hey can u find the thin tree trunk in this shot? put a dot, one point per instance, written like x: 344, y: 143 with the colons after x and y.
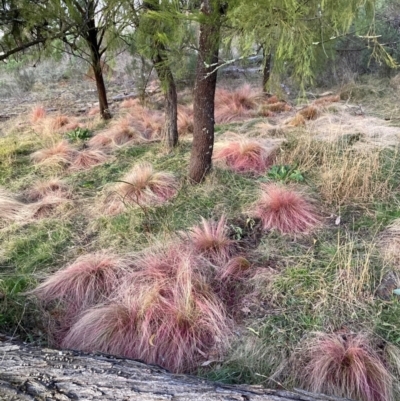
x: 40, y: 374
x: 204, y: 93
x: 171, y: 99
x: 92, y: 40
x: 101, y: 89
x: 266, y: 70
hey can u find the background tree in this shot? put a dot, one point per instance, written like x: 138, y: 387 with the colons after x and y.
x: 211, y: 15
x: 157, y: 28
x: 97, y: 23
x: 88, y: 27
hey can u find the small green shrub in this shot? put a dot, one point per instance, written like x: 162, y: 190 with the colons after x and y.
x: 78, y: 134
x: 285, y: 173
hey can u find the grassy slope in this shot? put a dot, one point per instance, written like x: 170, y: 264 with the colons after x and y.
x: 324, y: 282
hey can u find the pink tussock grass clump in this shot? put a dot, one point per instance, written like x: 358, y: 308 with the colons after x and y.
x: 345, y: 365
x: 142, y: 186
x: 235, y: 269
x: 87, y: 158
x: 101, y: 141
x: 43, y: 188
x: 147, y: 123
x: 235, y: 105
x: 150, y: 124
x: 277, y: 107
x: 59, y: 121
x: 38, y: 113
x: 245, y: 155
x: 93, y: 111
x: 285, y: 210
x: 123, y: 132
x: 61, y: 153
x: 130, y: 104
x: 211, y: 239
x: 89, y: 280
x: 165, y: 315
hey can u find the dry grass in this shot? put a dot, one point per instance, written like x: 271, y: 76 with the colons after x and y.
x: 344, y: 365
x: 296, y: 121
x: 10, y: 208
x: 47, y: 205
x: 323, y: 101
x: 389, y: 243
x: 342, y: 176
x: 61, y: 154
x: 272, y: 99
x: 42, y: 188
x: 277, y: 107
x: 245, y: 155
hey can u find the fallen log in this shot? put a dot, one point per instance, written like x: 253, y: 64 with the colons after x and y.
x: 42, y: 374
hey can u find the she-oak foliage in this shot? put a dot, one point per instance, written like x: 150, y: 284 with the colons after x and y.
x: 296, y: 31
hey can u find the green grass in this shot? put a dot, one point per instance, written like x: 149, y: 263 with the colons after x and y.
x: 36, y: 246
x: 27, y: 254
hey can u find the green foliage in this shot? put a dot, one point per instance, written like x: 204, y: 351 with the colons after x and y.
x: 78, y: 134
x: 296, y: 33
x: 285, y: 173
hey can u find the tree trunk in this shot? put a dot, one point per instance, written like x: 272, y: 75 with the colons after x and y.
x: 266, y: 70
x: 33, y: 374
x: 171, y: 99
x: 91, y: 37
x: 101, y: 89
x: 204, y: 92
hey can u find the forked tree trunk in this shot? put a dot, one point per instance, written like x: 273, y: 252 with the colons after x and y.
x: 266, y: 69
x: 91, y: 37
x: 171, y: 99
x: 41, y: 374
x: 204, y: 93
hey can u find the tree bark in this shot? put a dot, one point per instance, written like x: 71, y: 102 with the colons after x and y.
x: 204, y: 92
x: 91, y: 37
x: 171, y: 99
x: 266, y: 70
x: 34, y: 374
